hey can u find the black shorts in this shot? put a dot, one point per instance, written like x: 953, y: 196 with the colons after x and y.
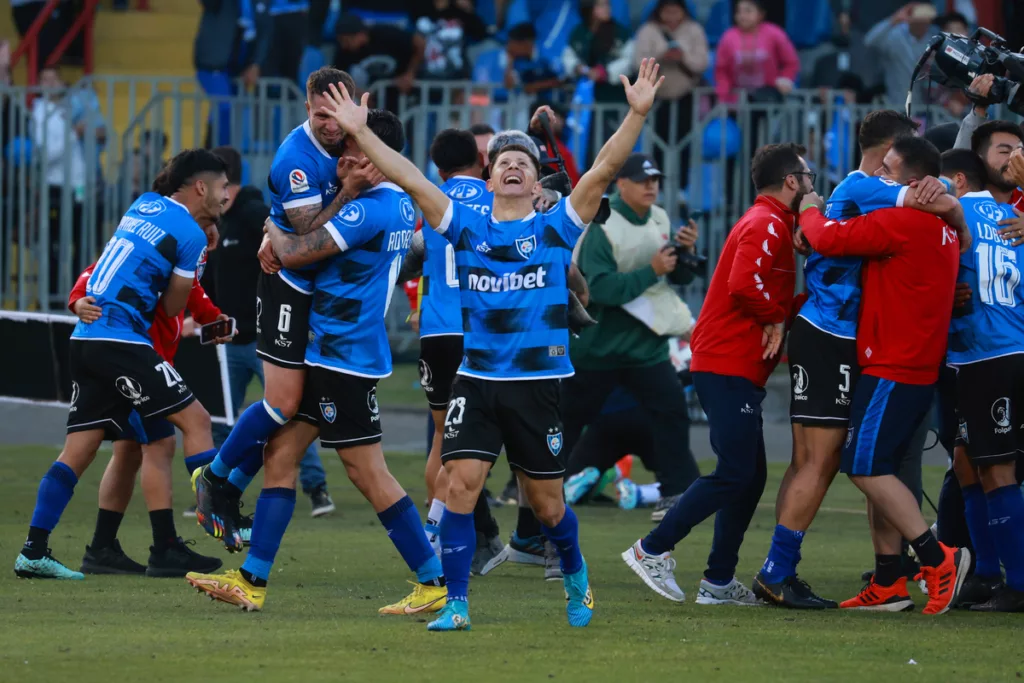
x: 823, y: 374
x: 343, y: 406
x: 522, y: 415
x: 282, y: 322
x: 440, y: 358
x: 990, y: 398
x: 112, y: 380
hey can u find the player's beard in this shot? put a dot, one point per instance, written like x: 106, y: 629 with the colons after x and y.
x: 997, y: 178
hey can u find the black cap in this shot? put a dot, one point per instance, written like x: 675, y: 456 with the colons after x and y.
x: 639, y: 167
x: 349, y: 25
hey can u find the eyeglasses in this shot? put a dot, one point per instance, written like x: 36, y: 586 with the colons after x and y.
x: 811, y: 175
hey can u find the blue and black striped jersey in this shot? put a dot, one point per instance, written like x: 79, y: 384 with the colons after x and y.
x: 512, y: 279
x: 353, y: 289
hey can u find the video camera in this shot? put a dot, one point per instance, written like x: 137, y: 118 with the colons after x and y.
x: 958, y: 60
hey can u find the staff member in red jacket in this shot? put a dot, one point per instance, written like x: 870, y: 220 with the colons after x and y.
x: 908, y: 280
x: 735, y: 348
x: 169, y: 555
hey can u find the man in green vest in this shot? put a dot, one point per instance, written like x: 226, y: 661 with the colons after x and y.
x: 630, y: 263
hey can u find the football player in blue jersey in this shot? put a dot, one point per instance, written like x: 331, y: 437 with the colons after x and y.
x: 304, y: 186
x: 117, y: 377
x: 460, y: 165
x: 986, y: 347
x: 360, y: 251
x: 513, y: 267
x: 823, y: 358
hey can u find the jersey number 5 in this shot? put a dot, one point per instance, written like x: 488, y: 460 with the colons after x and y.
x: 998, y: 275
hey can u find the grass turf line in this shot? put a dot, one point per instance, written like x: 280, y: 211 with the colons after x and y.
x: 332, y: 574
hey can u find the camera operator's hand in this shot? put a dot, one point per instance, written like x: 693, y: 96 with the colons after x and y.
x: 1014, y: 229
x: 545, y: 199
x: 1016, y: 169
x: 928, y: 189
x: 535, y: 126
x: 980, y: 87
x: 664, y: 261
x: 687, y: 236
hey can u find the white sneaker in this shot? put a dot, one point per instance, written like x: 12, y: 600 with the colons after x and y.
x: 656, y: 572
x: 735, y: 593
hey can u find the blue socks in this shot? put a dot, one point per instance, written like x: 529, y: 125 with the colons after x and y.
x: 243, y: 475
x: 1006, y: 525
x: 55, y: 491
x: 986, y: 556
x: 783, y: 555
x: 194, y: 462
x: 566, y: 537
x: 255, y: 425
x: 274, y: 509
x: 406, y: 531
x: 458, y: 543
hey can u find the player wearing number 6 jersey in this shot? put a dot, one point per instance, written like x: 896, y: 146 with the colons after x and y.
x: 986, y: 347
x: 360, y: 252
x: 513, y: 267
x: 150, y: 261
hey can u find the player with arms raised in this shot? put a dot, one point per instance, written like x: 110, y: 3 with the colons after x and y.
x: 512, y: 268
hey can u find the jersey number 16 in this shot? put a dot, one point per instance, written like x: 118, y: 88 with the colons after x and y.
x: 998, y: 275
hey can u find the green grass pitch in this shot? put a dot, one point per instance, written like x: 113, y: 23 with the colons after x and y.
x: 321, y: 622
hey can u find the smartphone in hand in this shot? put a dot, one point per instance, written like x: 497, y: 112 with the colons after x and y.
x: 210, y: 333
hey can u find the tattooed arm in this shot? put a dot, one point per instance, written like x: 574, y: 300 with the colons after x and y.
x: 355, y: 176
x: 295, y: 250
x: 412, y: 266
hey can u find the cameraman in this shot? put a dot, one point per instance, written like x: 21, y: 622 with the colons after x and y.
x: 628, y: 264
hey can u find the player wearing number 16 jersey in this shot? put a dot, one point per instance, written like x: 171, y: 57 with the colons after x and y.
x: 986, y: 347
x: 150, y: 261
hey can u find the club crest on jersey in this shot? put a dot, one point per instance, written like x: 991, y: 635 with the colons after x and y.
x: 298, y: 182
x: 990, y: 210
x: 526, y: 246
x: 463, y: 192
x: 352, y: 214
x: 151, y: 208
x: 329, y: 411
x: 405, y: 207
x: 554, y: 441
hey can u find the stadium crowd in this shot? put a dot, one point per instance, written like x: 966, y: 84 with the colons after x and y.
x: 545, y: 304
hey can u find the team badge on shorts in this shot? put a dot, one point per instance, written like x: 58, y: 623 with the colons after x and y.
x: 129, y: 388
x: 371, y: 401
x: 800, y: 382
x: 425, y: 375
x: 554, y: 442
x: 963, y: 432
x: 1001, y: 415
x: 329, y: 412
x: 526, y: 246
x: 74, y: 393
x: 849, y: 436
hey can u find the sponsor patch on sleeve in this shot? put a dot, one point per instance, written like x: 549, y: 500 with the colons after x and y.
x: 297, y: 180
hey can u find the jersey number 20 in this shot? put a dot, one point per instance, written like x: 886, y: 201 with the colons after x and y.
x: 998, y: 275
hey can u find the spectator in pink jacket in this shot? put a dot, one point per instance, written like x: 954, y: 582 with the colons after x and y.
x: 754, y: 55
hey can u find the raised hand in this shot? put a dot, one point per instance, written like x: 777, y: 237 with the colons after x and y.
x: 349, y: 115
x: 640, y: 94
